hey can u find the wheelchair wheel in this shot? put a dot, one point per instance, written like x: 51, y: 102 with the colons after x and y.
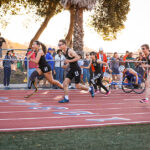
x: 126, y: 87
x: 106, y: 84
x: 140, y: 88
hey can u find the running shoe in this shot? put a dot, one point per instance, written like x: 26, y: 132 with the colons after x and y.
x: 107, y: 93
x: 144, y: 100
x: 92, y: 91
x: 64, y: 101
x: 97, y: 92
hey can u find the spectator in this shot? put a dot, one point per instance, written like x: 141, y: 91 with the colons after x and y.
x: 50, y: 59
x: 86, y: 72
x: 2, y: 41
x: 7, y: 68
x: 126, y: 55
x: 32, y: 66
x: 80, y: 63
x: 102, y: 57
x: 114, y: 65
x: 130, y: 64
x: 14, y: 59
x: 59, y: 63
x: 19, y: 65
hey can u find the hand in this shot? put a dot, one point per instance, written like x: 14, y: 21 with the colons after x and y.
x: 66, y: 61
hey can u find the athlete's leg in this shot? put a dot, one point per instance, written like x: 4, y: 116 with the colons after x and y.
x: 147, y: 92
x: 65, y: 85
x: 50, y: 79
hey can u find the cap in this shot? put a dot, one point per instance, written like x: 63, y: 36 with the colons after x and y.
x: 100, y: 49
x: 50, y: 49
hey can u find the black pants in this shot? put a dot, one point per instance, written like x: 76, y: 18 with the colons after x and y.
x: 7, y: 73
x: 96, y: 80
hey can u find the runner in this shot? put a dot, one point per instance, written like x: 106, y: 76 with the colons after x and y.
x: 74, y: 71
x: 96, y: 78
x: 44, y: 68
x: 145, y: 50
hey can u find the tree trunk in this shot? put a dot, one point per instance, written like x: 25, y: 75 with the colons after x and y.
x: 78, y: 30
x: 70, y: 31
x: 42, y: 27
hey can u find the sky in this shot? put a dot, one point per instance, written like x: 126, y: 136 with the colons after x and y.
x: 136, y: 32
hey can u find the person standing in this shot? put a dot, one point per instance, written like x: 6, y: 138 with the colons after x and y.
x: 7, y: 68
x: 2, y: 42
x: 59, y: 63
x: 86, y: 72
x: 74, y: 71
x: 114, y: 66
x: 145, y: 50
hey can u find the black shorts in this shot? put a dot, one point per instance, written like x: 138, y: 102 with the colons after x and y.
x: 74, y: 73
x: 45, y: 69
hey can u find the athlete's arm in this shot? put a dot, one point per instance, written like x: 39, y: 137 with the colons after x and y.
x: 72, y: 53
x: 134, y: 73
x: 37, y: 59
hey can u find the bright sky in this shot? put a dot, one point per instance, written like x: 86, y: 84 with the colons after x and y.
x: 131, y: 38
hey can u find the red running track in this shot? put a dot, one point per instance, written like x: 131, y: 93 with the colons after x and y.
x: 42, y: 110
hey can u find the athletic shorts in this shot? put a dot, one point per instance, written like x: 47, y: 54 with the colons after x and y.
x: 45, y: 69
x: 74, y: 73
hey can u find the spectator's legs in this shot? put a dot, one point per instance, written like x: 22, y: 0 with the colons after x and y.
x: 5, y: 75
x: 61, y: 75
x: 88, y: 75
x: 84, y: 75
x: 8, y: 76
x: 57, y: 69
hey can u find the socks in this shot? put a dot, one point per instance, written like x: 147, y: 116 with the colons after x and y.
x: 146, y: 98
x: 66, y: 97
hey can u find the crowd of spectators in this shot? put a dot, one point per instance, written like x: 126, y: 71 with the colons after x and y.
x: 56, y: 61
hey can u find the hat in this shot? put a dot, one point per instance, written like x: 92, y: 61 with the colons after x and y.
x: 9, y: 50
x: 100, y: 49
x: 50, y: 49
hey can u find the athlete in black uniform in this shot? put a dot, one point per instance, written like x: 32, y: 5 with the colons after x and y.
x: 44, y: 68
x: 74, y: 71
x: 145, y: 50
x: 96, y: 78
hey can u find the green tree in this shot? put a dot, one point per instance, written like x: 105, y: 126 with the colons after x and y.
x: 44, y: 8
x: 109, y: 17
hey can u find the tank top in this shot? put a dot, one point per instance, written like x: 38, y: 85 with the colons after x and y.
x: 97, y: 67
x: 73, y: 65
x: 148, y: 59
x: 42, y: 62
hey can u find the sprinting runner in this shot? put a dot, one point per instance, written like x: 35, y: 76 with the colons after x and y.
x: 145, y: 50
x: 44, y: 68
x: 97, y: 77
x: 74, y: 71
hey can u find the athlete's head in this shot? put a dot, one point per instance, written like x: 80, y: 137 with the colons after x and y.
x: 36, y: 45
x: 145, y: 48
x: 62, y: 44
x: 93, y: 55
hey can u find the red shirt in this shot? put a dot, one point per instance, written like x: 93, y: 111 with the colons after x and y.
x: 32, y: 64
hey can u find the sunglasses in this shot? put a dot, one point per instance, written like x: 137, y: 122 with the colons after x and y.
x: 60, y: 44
x: 143, y: 48
x: 87, y: 55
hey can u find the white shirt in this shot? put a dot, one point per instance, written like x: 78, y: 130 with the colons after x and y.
x: 59, y: 60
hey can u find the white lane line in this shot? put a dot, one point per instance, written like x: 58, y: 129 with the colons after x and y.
x: 35, y: 111
x: 83, y: 116
x: 73, y: 126
x: 42, y: 105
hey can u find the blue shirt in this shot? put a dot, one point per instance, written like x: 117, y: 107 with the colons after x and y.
x: 50, y: 60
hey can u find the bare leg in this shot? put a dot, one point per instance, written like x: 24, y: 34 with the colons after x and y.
x: 50, y: 79
x: 147, y: 87
x: 82, y: 87
x: 66, y: 84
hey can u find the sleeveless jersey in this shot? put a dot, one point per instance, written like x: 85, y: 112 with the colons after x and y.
x: 97, y: 67
x: 73, y: 65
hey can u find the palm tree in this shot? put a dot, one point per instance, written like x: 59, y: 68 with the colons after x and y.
x: 79, y: 6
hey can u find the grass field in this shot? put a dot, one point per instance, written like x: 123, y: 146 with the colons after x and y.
x: 131, y: 137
